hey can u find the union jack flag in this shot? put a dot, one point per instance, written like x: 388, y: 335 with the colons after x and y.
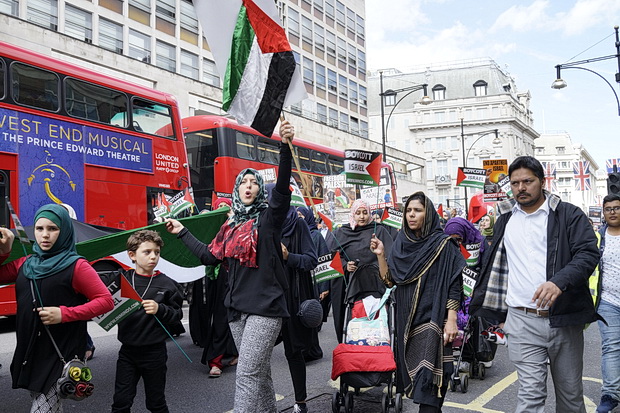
x: 581, y: 171
x: 610, y: 163
x: 550, y: 175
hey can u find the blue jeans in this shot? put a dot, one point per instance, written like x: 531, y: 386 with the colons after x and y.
x: 610, y: 337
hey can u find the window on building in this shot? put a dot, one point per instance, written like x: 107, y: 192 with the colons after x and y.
x: 480, y: 88
x: 78, y: 23
x: 442, y: 195
x: 360, y: 26
x: 350, y: 20
x: 319, y: 37
x: 439, y: 92
x: 189, y: 20
x: 166, y: 9
x: 333, y: 118
x: 344, y: 121
x: 430, y: 173
x: 343, y: 86
x: 442, y: 167
x: 352, y: 56
x: 441, y: 143
x: 330, y: 41
x: 332, y: 81
x: 361, y: 61
x: 340, y: 14
x: 329, y: 9
x: 139, y: 46
x: 320, y: 76
x: 364, y: 129
x: 293, y: 21
x: 110, y: 35
x: 440, y: 116
x: 353, y: 91
x: 10, y: 7
x: 166, y: 56
x: 342, y: 51
x: 189, y: 64
x: 209, y: 73
x: 540, y: 150
x: 306, y: 29
x: 355, y: 125
x: 318, y: 5
x: 321, y: 113
x: 144, y: 5
x: 308, y: 71
x: 43, y: 13
x: 363, y: 98
x: 560, y: 150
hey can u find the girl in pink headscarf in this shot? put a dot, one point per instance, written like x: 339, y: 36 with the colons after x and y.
x: 352, y: 240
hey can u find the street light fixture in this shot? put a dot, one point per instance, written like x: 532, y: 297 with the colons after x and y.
x: 426, y: 100
x: 496, y: 141
x: 559, y: 83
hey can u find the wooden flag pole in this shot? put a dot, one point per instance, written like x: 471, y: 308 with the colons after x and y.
x: 296, y: 159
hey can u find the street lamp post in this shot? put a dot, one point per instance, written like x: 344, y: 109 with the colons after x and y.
x: 559, y: 83
x: 465, y: 156
x: 426, y: 100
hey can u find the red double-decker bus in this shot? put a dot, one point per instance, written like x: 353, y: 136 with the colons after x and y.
x: 76, y: 137
x: 218, y: 149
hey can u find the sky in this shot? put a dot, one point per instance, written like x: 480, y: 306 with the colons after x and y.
x: 525, y: 38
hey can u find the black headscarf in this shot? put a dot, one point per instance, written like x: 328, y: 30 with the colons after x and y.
x: 411, y: 255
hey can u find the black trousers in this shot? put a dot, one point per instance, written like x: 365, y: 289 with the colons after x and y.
x: 148, y: 363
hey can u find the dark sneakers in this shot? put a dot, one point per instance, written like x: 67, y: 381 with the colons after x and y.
x: 607, y: 404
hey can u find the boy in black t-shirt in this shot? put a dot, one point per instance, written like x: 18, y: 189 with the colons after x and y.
x: 143, y: 352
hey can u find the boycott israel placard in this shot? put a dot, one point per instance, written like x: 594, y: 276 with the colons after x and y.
x: 126, y: 301
x: 392, y: 217
x: 362, y: 167
x: 471, y: 177
x: 469, y: 281
x: 330, y: 267
x: 504, y: 185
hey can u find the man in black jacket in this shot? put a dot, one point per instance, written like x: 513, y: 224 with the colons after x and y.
x: 535, y: 277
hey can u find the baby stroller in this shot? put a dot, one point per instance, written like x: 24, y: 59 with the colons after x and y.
x: 471, y: 350
x: 366, y: 356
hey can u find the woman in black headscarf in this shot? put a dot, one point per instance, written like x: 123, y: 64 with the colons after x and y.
x: 352, y: 241
x: 58, y: 290
x: 426, y: 265
x: 300, y: 258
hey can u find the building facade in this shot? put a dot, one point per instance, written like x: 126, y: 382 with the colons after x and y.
x: 470, y: 99
x: 558, y: 148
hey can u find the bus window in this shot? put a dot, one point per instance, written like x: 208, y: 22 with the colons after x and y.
x: 4, y: 191
x: 2, y: 82
x: 336, y: 166
x: 88, y: 101
x: 202, y: 149
x: 268, y: 151
x: 149, y: 117
x: 245, y: 146
x: 304, y: 159
x: 319, y: 162
x: 35, y: 87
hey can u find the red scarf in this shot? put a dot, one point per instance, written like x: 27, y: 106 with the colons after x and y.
x: 237, y: 242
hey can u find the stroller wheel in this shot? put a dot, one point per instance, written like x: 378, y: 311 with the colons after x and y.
x: 452, y: 384
x: 336, y: 402
x: 398, y: 403
x: 464, y: 382
x: 348, y: 402
x: 481, y: 371
x: 385, y: 404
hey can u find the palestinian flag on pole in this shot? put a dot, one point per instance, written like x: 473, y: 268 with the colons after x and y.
x: 392, y: 217
x: 471, y: 177
x: 362, y: 167
x: 254, y: 59
x: 440, y: 210
x: 182, y: 203
x: 330, y: 267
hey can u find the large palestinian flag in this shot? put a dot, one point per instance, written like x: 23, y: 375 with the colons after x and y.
x: 254, y: 59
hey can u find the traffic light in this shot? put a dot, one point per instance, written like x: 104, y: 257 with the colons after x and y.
x: 613, y: 182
